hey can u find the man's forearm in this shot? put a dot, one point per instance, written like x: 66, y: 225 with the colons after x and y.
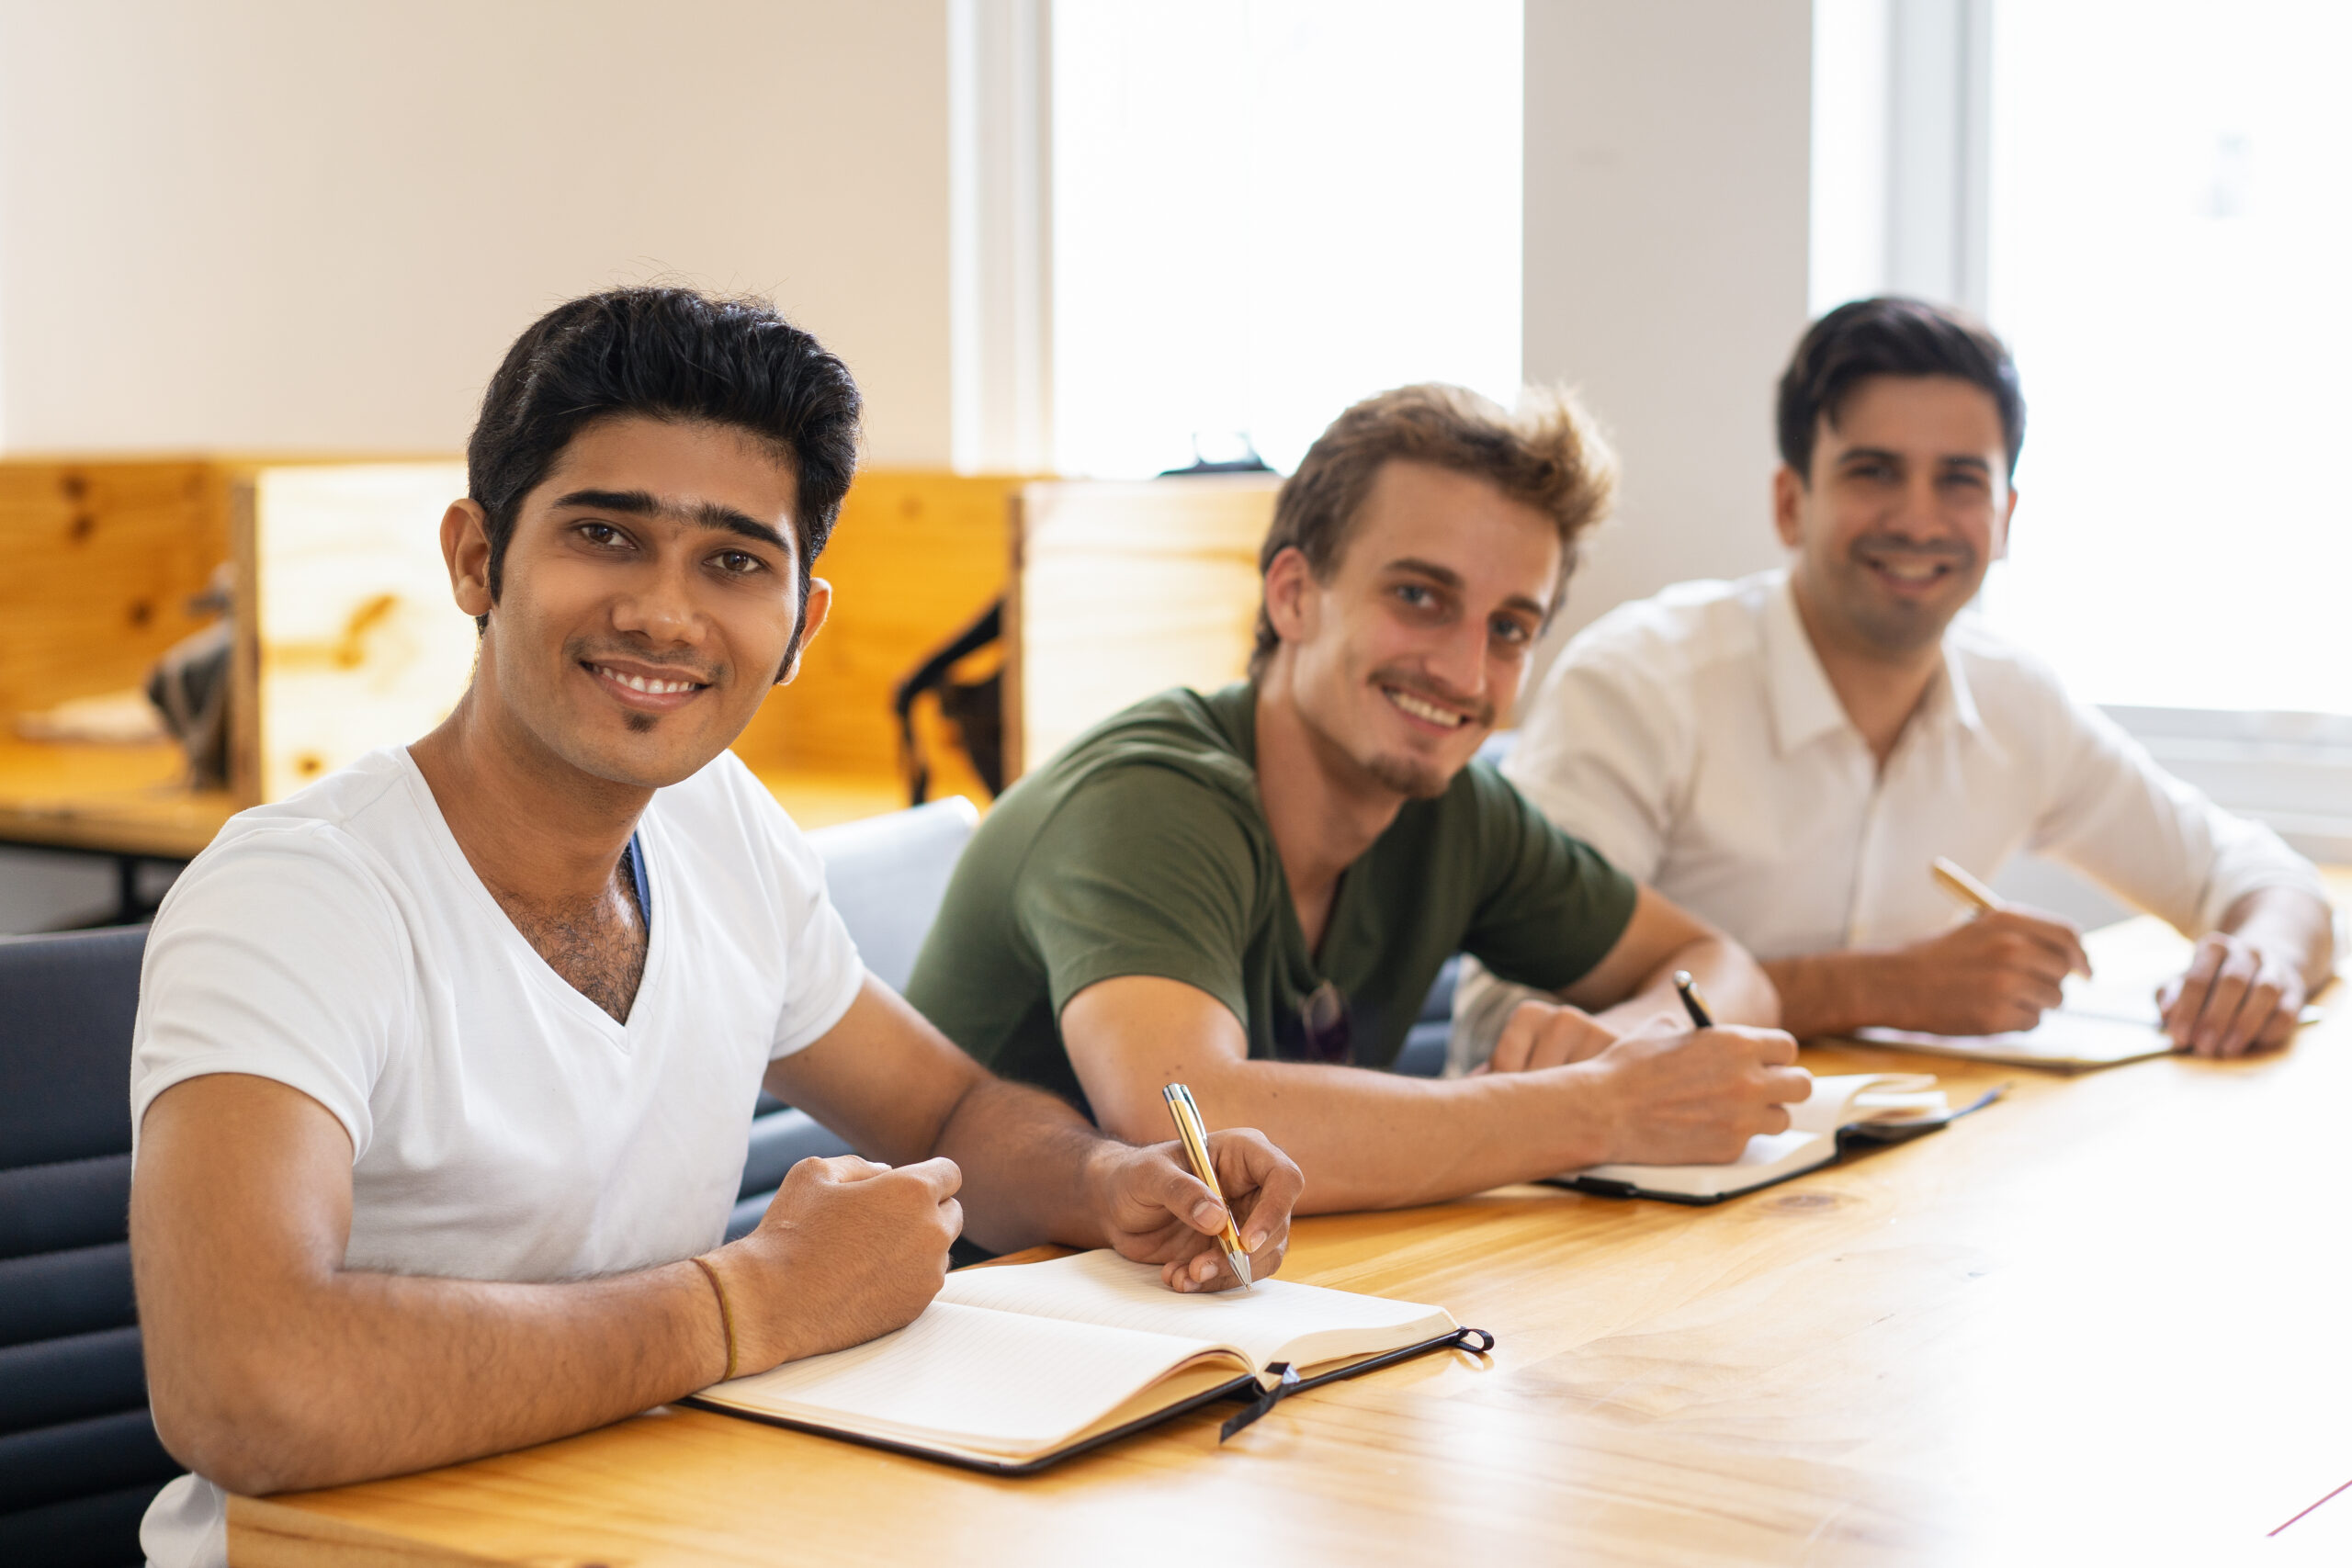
x: 1824, y: 993
x: 1027, y: 1160
x: 361, y: 1374
x: 1371, y: 1140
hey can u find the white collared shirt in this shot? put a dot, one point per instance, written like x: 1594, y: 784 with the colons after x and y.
x: 1694, y: 739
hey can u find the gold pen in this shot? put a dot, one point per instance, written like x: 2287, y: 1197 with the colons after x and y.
x: 1962, y: 884
x: 1192, y: 1132
x: 1954, y: 879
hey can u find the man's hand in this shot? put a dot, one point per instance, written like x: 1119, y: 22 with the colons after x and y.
x: 1695, y: 1098
x: 1548, y: 1034
x: 848, y: 1250
x: 2234, y: 997
x: 1998, y: 972
x: 1156, y: 1210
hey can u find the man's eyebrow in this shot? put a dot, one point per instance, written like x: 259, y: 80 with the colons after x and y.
x: 1888, y: 454
x: 708, y: 514
x: 1445, y: 576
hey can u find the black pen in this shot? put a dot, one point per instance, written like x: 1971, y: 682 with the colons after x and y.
x: 1693, y: 1002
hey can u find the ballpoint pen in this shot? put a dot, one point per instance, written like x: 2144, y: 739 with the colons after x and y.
x: 1192, y: 1132
x: 1693, y: 1002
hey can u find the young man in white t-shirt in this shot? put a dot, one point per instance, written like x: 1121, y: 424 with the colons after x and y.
x: 443, y: 1067
x: 1786, y: 755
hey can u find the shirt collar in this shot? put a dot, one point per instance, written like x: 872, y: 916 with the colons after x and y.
x: 1804, y: 705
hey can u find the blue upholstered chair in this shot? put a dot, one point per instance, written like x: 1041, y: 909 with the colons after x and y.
x: 886, y: 875
x: 79, y: 1460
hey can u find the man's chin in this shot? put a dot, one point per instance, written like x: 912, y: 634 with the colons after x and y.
x: 1413, y: 777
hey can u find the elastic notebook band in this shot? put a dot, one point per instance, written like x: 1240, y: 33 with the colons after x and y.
x: 1477, y: 1342
x: 725, y: 1317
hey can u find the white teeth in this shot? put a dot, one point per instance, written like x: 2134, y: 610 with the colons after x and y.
x: 1912, y: 571
x: 652, y: 688
x: 1420, y: 709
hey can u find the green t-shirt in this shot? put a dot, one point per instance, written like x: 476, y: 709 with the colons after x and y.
x: 1141, y: 849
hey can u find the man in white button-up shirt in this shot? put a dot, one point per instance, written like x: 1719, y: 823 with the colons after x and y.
x: 1786, y: 754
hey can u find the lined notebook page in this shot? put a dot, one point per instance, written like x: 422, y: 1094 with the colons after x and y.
x: 1274, y: 1321
x: 958, y: 1376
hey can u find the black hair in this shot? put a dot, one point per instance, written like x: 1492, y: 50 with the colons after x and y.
x: 671, y: 354
x: 1890, y: 335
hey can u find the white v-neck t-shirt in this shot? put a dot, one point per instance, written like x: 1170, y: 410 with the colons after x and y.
x: 503, y: 1125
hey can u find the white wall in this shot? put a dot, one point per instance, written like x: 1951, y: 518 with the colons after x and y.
x: 1668, y: 150
x: 283, y: 225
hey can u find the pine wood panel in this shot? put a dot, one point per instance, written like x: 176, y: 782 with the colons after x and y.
x: 2100, y: 1322
x: 354, y: 640
x: 1124, y: 590
x: 103, y: 557
x: 914, y: 559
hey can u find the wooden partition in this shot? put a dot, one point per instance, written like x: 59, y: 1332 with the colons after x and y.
x: 104, y: 557
x: 348, y: 640
x: 1121, y: 590
x: 916, y: 557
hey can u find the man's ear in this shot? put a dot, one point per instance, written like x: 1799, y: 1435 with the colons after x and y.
x: 812, y: 621
x: 2001, y: 528
x: 464, y: 549
x: 1788, y: 505
x: 1291, y: 606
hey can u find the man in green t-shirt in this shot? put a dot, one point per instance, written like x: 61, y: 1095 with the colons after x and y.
x: 1249, y: 891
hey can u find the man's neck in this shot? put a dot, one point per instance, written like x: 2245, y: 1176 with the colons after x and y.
x: 1880, y: 691
x: 536, y: 829
x: 1322, y: 809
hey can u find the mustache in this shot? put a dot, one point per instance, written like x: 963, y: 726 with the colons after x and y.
x: 1898, y: 548
x: 1481, y: 711
x: 670, y: 669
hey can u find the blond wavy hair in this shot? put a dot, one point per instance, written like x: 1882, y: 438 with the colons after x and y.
x: 1550, y: 454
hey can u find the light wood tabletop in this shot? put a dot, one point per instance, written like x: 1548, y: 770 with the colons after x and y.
x: 131, y: 800
x: 2103, y: 1320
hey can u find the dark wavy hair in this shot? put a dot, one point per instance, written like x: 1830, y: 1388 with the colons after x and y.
x: 669, y: 354
x: 1890, y: 335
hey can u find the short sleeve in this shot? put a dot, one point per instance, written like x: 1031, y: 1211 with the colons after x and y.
x: 1552, y: 906
x: 1143, y: 869
x: 277, y: 955
x: 822, y: 972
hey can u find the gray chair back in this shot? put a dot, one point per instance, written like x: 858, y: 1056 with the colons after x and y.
x: 886, y: 875
x: 79, y: 1460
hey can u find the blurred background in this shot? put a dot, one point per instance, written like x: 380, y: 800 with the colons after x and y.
x: 257, y: 258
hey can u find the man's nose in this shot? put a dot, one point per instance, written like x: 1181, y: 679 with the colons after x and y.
x: 1458, y: 662
x: 660, y: 606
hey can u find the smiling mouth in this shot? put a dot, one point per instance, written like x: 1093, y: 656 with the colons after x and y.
x: 1426, y: 711
x: 1910, y: 571
x: 644, y: 685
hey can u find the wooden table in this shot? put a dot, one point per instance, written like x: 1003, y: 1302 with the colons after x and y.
x: 2103, y: 1321
x: 121, y: 800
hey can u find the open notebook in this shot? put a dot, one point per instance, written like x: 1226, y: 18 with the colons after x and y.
x: 1894, y: 1105
x: 1012, y: 1367
x: 2101, y: 1023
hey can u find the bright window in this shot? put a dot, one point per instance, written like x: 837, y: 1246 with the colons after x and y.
x: 2169, y: 243
x: 1266, y: 209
